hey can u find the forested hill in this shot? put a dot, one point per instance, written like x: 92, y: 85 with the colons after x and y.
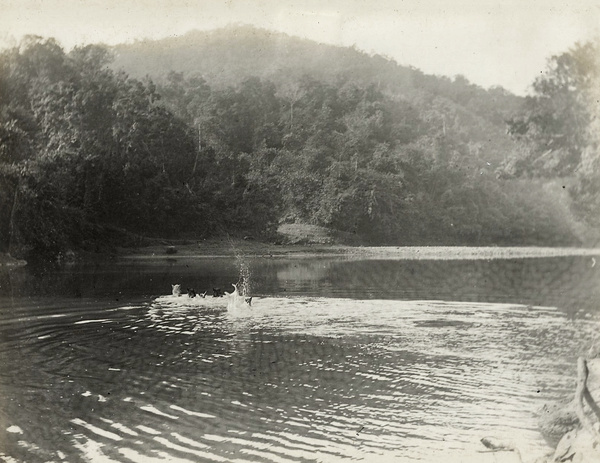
x: 225, y: 57
x: 239, y: 130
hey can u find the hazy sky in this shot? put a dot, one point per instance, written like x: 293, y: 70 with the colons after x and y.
x: 491, y: 42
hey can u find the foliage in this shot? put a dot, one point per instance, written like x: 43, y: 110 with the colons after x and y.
x: 349, y: 157
x: 85, y: 151
x: 88, y: 154
x: 558, y: 126
x: 555, y: 118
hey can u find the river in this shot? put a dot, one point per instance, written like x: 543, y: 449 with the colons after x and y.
x: 337, y: 359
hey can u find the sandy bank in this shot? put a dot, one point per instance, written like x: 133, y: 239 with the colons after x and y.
x: 223, y: 248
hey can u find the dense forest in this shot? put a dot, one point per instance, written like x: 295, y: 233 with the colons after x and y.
x: 240, y: 130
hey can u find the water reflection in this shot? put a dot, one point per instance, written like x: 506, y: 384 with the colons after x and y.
x: 371, y: 360
x: 570, y: 283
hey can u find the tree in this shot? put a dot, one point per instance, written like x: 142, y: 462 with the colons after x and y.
x: 559, y: 130
x: 554, y: 121
x: 587, y: 189
x: 85, y: 150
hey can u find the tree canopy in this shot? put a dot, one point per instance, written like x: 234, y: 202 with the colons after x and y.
x: 90, y: 157
x: 558, y: 126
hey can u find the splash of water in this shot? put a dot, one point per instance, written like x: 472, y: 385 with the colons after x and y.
x: 244, y: 282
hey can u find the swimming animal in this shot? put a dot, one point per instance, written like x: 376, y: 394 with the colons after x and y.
x: 235, y: 292
x: 176, y: 289
x: 191, y: 292
x: 203, y: 295
x: 233, y: 297
x: 237, y: 304
x: 218, y: 292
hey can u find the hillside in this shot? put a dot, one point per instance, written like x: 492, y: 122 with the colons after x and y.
x: 241, y: 131
x: 226, y: 57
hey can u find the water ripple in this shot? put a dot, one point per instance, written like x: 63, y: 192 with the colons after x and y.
x: 300, y: 380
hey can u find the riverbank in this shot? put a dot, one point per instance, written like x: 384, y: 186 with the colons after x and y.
x: 222, y: 248
x: 233, y: 248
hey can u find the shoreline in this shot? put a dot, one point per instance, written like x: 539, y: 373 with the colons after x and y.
x: 223, y: 249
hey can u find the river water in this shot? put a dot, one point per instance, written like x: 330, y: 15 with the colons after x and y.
x: 337, y: 359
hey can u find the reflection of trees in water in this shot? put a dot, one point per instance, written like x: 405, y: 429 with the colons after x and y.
x: 570, y: 283
x: 37, y: 281
x: 74, y: 281
x: 145, y: 280
x: 308, y: 271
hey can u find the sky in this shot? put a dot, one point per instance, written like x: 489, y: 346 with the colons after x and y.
x: 490, y: 42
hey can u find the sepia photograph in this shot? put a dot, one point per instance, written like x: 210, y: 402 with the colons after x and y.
x: 299, y: 231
